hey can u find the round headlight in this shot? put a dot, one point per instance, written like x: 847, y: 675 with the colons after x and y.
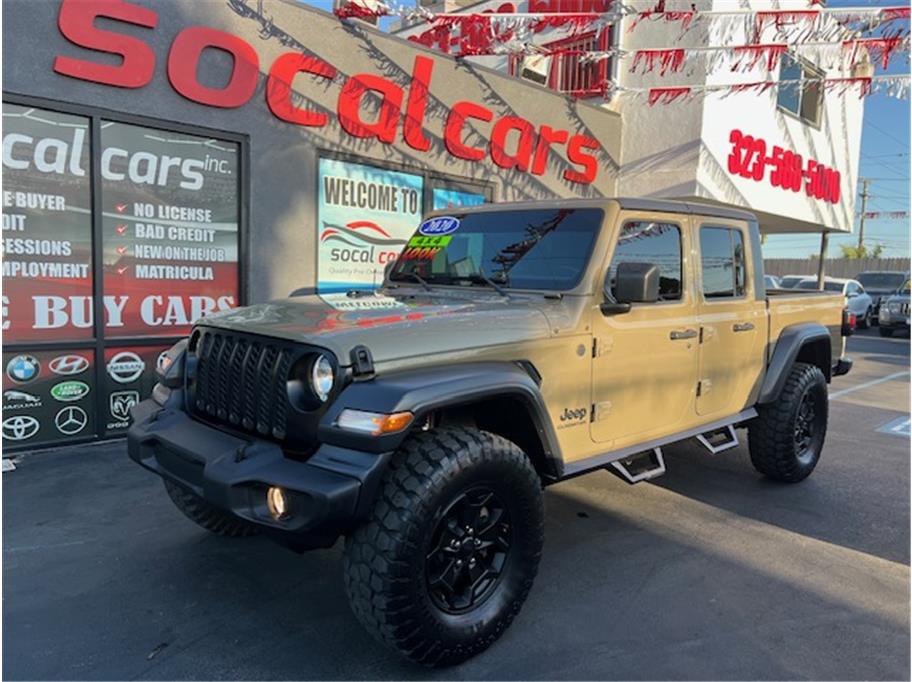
x: 321, y: 377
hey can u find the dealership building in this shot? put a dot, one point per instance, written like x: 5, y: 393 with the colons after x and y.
x: 166, y: 159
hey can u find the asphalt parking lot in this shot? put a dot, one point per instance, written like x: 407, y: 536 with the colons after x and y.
x: 711, y: 572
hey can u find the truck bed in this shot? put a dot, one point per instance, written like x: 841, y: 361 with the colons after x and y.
x: 787, y: 307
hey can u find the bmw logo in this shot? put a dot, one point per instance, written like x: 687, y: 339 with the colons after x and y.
x: 22, y: 368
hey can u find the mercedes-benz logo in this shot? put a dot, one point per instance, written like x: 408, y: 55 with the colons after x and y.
x: 71, y: 420
x: 20, y: 427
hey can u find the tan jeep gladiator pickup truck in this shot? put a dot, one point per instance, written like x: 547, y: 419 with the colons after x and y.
x: 510, y: 347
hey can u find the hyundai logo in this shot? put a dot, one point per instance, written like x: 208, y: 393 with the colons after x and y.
x: 71, y: 420
x: 22, y: 368
x: 69, y: 364
x: 20, y: 427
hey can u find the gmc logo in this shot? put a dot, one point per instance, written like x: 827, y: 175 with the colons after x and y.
x: 515, y: 143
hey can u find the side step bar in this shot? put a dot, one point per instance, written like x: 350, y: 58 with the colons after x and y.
x: 719, y: 440
x: 640, y: 467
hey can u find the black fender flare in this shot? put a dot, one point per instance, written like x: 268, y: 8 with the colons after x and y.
x: 791, y: 340
x: 424, y: 390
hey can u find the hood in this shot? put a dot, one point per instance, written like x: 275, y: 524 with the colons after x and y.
x: 392, y: 327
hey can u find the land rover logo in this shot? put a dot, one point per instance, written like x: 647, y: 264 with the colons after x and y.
x: 122, y: 402
x: 20, y: 427
x: 439, y: 226
x: 125, y: 367
x: 67, y: 365
x: 22, y: 368
x: 69, y: 391
x: 71, y: 420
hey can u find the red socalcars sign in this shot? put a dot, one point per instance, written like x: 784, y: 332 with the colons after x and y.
x: 526, y: 152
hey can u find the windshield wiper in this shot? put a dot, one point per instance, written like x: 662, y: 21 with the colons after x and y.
x: 481, y: 278
x: 418, y: 278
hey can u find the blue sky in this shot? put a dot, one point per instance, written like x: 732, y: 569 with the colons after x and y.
x: 885, y: 158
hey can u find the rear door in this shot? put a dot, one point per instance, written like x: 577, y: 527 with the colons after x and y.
x: 645, y: 361
x: 732, y: 319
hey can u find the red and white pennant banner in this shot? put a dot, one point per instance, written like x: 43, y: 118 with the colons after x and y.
x: 893, y: 86
x: 886, y: 215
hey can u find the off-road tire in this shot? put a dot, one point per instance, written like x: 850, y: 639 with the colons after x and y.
x: 885, y: 331
x: 866, y: 320
x: 772, y: 435
x: 387, y: 560
x: 207, y: 516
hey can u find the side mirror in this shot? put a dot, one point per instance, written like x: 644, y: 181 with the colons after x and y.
x: 634, y: 283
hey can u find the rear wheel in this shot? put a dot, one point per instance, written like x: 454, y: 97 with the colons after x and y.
x: 452, y: 546
x: 866, y: 320
x: 885, y: 331
x: 207, y: 516
x: 787, y: 436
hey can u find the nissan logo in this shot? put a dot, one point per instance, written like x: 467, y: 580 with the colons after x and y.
x: 71, y: 420
x: 20, y: 427
x: 125, y: 367
x: 69, y: 364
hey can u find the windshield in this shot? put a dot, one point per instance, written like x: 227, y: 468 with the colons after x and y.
x: 532, y: 249
x: 888, y: 281
x: 827, y: 286
x: 789, y: 282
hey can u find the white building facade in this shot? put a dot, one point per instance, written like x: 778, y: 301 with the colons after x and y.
x: 788, y: 153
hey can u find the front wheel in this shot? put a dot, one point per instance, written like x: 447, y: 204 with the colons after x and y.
x: 206, y: 515
x: 787, y: 436
x: 867, y: 320
x: 451, y: 548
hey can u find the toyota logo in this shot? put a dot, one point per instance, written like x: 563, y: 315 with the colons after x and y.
x: 71, y: 420
x: 125, y: 367
x: 69, y: 364
x: 22, y: 368
x: 20, y: 427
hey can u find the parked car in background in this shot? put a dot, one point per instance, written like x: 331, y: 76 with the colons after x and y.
x: 858, y: 302
x: 894, y: 311
x: 790, y: 281
x: 772, y: 282
x: 881, y: 284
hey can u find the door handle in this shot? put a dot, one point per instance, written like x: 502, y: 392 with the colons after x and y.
x: 680, y: 334
x: 743, y: 327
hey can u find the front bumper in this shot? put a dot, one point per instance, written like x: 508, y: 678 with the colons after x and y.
x: 331, y: 493
x: 894, y: 320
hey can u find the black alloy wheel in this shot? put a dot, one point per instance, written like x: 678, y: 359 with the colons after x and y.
x: 470, y: 548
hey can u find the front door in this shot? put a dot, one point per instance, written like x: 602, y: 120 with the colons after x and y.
x: 645, y: 361
x: 733, y: 321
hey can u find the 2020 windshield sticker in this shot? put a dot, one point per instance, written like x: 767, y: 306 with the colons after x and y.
x: 439, y: 226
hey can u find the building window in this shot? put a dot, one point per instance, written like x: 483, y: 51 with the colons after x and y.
x: 650, y: 242
x: 804, y: 100
x: 166, y: 215
x: 568, y: 70
x: 722, y: 261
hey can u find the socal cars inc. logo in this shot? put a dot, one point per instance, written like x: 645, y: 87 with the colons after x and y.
x: 361, y: 241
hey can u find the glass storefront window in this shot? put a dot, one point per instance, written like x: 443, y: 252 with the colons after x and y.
x: 47, y: 226
x: 170, y: 231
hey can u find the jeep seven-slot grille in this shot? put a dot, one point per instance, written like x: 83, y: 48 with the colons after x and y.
x: 241, y: 382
